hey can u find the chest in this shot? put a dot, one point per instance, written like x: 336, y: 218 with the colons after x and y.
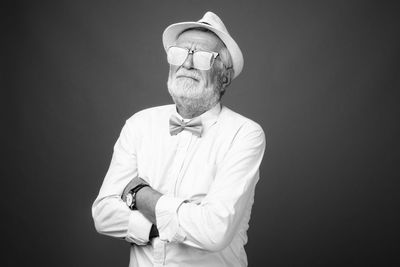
x: 183, y: 166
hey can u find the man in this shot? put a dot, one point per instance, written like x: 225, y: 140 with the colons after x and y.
x: 181, y: 182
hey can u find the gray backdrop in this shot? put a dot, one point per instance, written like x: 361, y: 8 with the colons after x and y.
x: 321, y: 77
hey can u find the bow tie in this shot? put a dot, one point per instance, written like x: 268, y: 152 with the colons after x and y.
x: 176, y: 126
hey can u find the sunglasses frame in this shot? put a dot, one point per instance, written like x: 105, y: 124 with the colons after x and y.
x: 192, y: 51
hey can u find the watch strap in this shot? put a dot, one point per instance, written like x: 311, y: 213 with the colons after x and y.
x: 133, y: 192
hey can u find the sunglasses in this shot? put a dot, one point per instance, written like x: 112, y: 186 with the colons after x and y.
x: 202, y: 60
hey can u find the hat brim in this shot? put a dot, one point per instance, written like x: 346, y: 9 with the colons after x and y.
x: 172, y: 32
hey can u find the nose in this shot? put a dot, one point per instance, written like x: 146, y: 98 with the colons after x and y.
x: 188, y: 63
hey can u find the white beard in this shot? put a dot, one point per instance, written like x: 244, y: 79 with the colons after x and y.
x: 190, y: 95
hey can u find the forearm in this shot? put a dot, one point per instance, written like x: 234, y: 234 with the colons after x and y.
x: 209, y: 225
x: 212, y: 226
x: 146, y: 200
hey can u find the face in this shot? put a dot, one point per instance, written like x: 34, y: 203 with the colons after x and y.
x: 190, y: 87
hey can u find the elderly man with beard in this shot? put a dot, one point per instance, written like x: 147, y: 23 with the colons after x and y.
x: 180, y: 186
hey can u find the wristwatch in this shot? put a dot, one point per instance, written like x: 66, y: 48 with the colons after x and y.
x: 131, y: 196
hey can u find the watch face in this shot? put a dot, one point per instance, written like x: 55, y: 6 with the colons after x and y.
x: 129, y: 199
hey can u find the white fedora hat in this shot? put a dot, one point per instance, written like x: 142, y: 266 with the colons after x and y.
x: 213, y: 23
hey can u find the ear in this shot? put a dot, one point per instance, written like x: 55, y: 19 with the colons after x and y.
x: 227, y: 78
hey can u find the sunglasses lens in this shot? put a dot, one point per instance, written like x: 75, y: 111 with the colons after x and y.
x: 177, y: 55
x: 202, y: 60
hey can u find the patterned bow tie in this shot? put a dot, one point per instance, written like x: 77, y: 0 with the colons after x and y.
x: 176, y: 126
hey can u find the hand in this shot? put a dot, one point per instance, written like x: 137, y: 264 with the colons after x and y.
x: 132, y: 184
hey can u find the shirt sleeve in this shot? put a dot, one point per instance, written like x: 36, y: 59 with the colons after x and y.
x: 110, y: 214
x: 212, y: 224
x: 167, y: 221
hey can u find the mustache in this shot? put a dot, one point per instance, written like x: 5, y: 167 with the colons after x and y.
x: 192, y: 74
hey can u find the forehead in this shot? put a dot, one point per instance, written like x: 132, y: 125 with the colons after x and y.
x: 200, y: 40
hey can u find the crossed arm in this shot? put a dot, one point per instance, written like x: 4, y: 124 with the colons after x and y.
x: 208, y: 225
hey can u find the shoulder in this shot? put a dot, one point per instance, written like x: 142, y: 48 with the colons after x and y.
x: 238, y: 129
x: 236, y: 121
x: 240, y: 134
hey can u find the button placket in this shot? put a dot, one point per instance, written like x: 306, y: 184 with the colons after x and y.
x: 182, y: 151
x: 159, y: 252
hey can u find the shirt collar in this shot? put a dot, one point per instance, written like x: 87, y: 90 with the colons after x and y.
x: 208, y: 118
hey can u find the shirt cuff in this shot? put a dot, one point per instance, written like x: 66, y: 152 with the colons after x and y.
x: 167, y: 219
x: 138, y: 228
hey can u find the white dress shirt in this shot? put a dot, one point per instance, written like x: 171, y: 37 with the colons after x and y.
x: 207, y: 183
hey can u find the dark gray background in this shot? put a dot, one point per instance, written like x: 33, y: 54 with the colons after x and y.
x: 321, y: 77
